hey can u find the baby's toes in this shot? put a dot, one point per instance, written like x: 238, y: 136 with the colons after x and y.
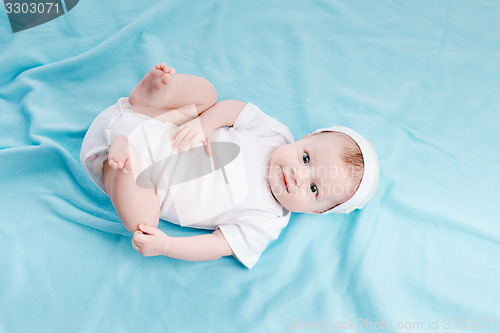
x: 117, y: 161
x: 165, y: 79
x: 163, y: 67
x: 112, y: 164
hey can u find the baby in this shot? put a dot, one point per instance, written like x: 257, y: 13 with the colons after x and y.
x: 171, y: 151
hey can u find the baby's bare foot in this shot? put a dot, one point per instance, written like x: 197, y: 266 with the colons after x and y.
x: 151, y: 90
x: 119, y: 156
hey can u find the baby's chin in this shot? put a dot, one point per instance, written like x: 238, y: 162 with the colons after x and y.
x: 275, y: 188
x: 282, y: 202
x: 275, y: 196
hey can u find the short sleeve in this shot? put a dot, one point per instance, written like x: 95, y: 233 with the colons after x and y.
x: 250, y: 238
x: 254, y: 120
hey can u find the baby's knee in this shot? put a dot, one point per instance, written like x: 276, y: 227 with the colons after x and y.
x: 147, y: 217
x: 150, y: 215
x: 135, y: 226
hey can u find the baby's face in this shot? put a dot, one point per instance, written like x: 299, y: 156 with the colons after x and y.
x: 309, y: 175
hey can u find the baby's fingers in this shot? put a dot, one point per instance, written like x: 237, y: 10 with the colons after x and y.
x: 180, y: 136
x: 176, y: 132
x: 136, y: 247
x: 189, y: 140
x: 208, y: 150
x: 196, y: 140
x: 139, y: 238
x: 181, y: 130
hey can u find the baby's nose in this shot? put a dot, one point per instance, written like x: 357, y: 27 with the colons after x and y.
x: 300, y: 175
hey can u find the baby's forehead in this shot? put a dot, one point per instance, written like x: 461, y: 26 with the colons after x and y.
x: 330, y: 141
x: 327, y: 147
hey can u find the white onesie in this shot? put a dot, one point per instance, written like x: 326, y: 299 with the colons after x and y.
x: 229, y: 191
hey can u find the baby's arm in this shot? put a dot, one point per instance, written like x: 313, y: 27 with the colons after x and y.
x: 150, y: 241
x: 223, y: 113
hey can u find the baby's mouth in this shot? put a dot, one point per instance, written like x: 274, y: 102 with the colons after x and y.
x: 284, y: 179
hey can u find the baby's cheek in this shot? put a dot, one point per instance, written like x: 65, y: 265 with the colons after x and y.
x: 298, y: 202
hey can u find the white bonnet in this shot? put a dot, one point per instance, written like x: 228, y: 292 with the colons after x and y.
x: 369, y: 182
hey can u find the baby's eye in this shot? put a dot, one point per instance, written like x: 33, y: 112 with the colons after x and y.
x: 314, y: 189
x: 305, y: 158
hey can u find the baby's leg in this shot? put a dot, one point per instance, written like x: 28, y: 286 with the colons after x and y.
x: 161, y: 90
x: 135, y: 205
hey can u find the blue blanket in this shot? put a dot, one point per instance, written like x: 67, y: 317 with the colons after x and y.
x: 420, y: 79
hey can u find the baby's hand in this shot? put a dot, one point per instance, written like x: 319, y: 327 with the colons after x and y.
x: 150, y: 241
x: 192, y: 133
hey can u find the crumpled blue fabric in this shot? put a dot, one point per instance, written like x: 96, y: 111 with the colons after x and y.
x: 419, y: 79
